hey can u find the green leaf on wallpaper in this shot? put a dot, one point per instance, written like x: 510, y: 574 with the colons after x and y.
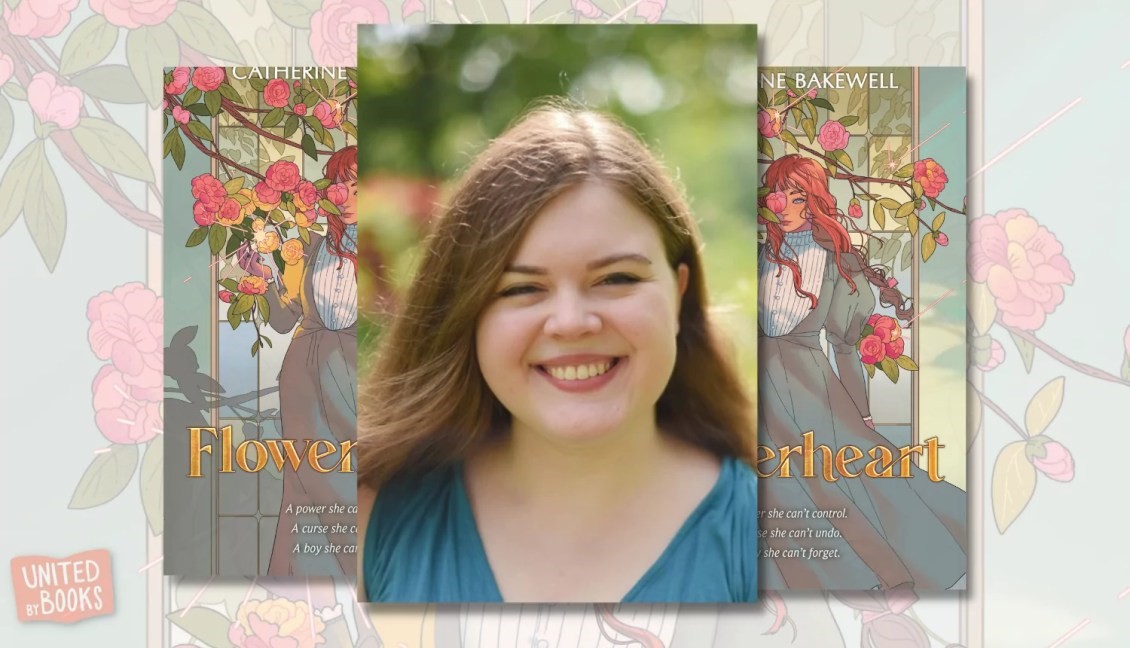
x: 290, y: 126
x: 788, y: 138
x: 483, y: 11
x: 1044, y: 406
x: 88, y: 45
x: 1026, y: 348
x: 111, y: 146
x: 16, y: 92
x: 197, y: 237
x: 106, y: 477
x: 1126, y: 367
x: 213, y: 99
x: 296, y: 13
x: 907, y: 255
x: 272, y: 119
x: 14, y: 185
x: 147, y: 48
x: 848, y: 120
x: 202, y: 31
x: 200, y: 130
x: 308, y: 146
x: 152, y: 484
x: 7, y: 125
x: 111, y: 83
x: 821, y: 102
x: 880, y: 215
x: 45, y: 212
x: 204, y: 624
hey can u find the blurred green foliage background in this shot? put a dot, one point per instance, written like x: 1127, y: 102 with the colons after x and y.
x: 432, y: 96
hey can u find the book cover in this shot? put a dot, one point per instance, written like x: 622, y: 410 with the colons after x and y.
x: 862, y: 349
x: 260, y: 321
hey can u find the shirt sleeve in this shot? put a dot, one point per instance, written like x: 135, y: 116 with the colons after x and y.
x: 847, y: 315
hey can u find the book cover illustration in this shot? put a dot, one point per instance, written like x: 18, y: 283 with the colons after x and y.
x: 862, y: 328
x: 260, y: 323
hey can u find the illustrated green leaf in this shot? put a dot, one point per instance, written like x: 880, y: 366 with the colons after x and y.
x: 848, y: 120
x: 890, y: 368
x: 906, y: 362
x: 111, y: 83
x: 272, y: 119
x: 243, y: 304
x: 113, y: 147
x: 202, y: 31
x: 229, y: 93
x: 843, y: 158
x: 890, y: 250
x: 296, y: 13
x: 821, y: 102
x: 230, y: 284
x: 308, y: 146
x: 763, y: 147
x: 1027, y: 350
x: 234, y: 185
x: 176, y: 147
x: 88, y: 45
x: 1126, y: 367
x: 321, y: 184
x: 939, y: 220
x: 233, y: 317
x: 982, y: 308
x: 929, y: 244
x: 880, y: 215
x: 327, y: 205
x: 1044, y: 406
x: 200, y: 130
x: 912, y: 225
x: 809, y: 127
x: 907, y: 255
x: 905, y: 171
x: 870, y: 370
x: 264, y: 307
x: 106, y: 477
x: 45, y: 212
x: 151, y: 482
x: 217, y: 236
x: 14, y: 91
x: 213, y: 99
x: 192, y: 95
x: 767, y: 214
x: 204, y: 624
x: 917, y: 188
x: 277, y: 216
x: 197, y: 237
x: 146, y: 47
x: 304, y: 235
x: 349, y: 128
x: 905, y: 209
x: 788, y: 138
x: 290, y: 126
x: 1014, y: 483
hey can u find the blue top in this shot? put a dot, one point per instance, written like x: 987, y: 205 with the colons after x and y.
x: 422, y: 546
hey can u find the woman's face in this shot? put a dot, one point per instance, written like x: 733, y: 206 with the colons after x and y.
x: 349, y: 210
x: 579, y: 340
x: 796, y: 208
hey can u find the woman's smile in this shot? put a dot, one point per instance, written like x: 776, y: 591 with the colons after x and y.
x: 576, y: 374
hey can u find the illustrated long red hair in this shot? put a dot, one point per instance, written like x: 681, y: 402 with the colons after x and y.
x: 829, y: 227
x: 340, y: 168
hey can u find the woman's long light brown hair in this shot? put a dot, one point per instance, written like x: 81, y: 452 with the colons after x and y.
x: 426, y: 405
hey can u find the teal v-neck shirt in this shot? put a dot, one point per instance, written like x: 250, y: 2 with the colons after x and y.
x: 422, y: 546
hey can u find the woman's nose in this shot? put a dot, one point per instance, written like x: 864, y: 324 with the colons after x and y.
x: 571, y: 315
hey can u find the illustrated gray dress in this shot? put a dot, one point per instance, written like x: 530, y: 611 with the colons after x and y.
x: 318, y: 400
x: 908, y: 532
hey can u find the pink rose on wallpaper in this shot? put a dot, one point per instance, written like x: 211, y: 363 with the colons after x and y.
x: 132, y: 14
x: 53, y: 102
x: 587, y: 9
x: 1022, y: 264
x: 39, y: 18
x: 181, y: 77
x: 651, y: 10
x: 7, y: 67
x: 283, y: 175
x: 180, y: 115
x: 276, y: 623
x: 208, y: 189
x: 833, y: 136
x: 333, y: 29
x: 122, y: 416
x: 207, y: 79
x: 277, y: 93
x: 942, y: 239
x: 126, y: 328
x: 1057, y: 464
x: 411, y: 7
x: 987, y: 361
x: 300, y: 109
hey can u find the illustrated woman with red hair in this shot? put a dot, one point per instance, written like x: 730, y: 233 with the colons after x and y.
x: 317, y: 299
x: 898, y: 532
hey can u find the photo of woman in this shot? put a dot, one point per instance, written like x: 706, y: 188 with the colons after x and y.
x: 899, y: 532
x: 552, y: 417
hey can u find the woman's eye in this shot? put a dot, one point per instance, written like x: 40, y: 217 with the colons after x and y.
x: 620, y: 278
x: 798, y: 201
x: 522, y: 289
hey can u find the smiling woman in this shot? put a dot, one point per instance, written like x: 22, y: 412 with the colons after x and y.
x: 551, y: 417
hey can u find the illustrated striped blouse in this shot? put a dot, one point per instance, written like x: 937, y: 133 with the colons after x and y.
x: 781, y: 308
x: 335, y: 288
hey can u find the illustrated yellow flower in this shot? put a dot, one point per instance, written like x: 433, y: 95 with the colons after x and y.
x: 305, y: 219
x: 252, y: 285
x: 276, y: 621
x: 258, y: 225
x: 250, y: 205
x: 292, y: 251
x: 231, y: 213
x: 268, y: 243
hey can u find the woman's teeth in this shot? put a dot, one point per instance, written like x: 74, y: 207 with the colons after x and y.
x: 579, y: 372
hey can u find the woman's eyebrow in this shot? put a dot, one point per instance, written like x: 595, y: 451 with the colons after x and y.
x: 592, y: 265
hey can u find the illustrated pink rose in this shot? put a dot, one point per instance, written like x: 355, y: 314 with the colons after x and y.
x: 208, y: 189
x: 180, y: 115
x: 306, y: 195
x: 411, y: 7
x: 283, y: 175
x: 266, y: 194
x: 300, y: 109
x: 1022, y: 264
x: 651, y: 10
x: 1057, y: 464
x: 132, y: 14
x: 992, y: 359
x: 39, y: 18
x: 120, y: 415
x: 895, y: 347
x: 587, y: 9
x: 892, y: 282
x: 811, y: 93
x: 202, y: 215
x: 872, y: 350
x: 333, y: 29
x: 776, y: 202
x: 53, y: 102
x: 338, y: 193
x: 769, y: 123
x: 252, y: 285
x: 227, y: 296
x: 127, y: 328
x: 941, y: 239
x: 330, y: 116
x: 231, y: 212
x: 181, y: 77
x: 886, y: 327
x: 276, y: 623
x: 277, y: 93
x: 833, y: 136
x: 855, y: 210
x: 207, y: 79
x: 7, y: 67
x: 931, y: 176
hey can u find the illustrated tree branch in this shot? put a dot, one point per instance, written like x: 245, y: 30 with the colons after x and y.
x: 1083, y: 368
x: 234, y: 110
